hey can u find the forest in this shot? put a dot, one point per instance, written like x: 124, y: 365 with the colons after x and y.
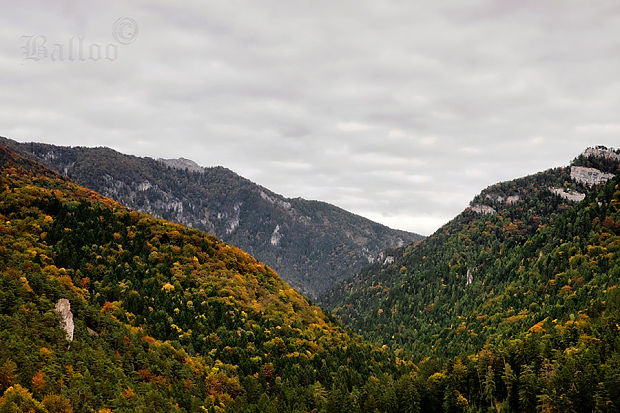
x: 169, y: 318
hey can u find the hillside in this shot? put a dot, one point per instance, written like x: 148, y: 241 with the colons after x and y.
x: 498, y: 260
x: 107, y: 309
x: 531, y: 262
x: 310, y: 244
x: 158, y: 317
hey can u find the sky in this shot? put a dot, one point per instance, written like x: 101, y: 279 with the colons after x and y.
x: 400, y: 111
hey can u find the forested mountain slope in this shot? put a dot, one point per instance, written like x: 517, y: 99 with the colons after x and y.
x: 524, y: 250
x: 163, y: 318
x: 310, y: 244
x: 528, y: 272
x: 166, y: 318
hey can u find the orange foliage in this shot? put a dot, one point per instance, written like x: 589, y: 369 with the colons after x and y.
x: 537, y: 328
x: 38, y: 381
x: 129, y: 393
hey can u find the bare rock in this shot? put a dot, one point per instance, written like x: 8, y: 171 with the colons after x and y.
x: 63, y: 308
x: 589, y: 176
x: 569, y: 195
x: 495, y: 197
x: 602, y: 152
x: 482, y: 209
x: 182, y: 163
x: 276, y: 236
x: 388, y: 260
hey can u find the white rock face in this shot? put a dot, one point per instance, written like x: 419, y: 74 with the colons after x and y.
x: 63, y: 308
x: 113, y: 188
x: 499, y: 198
x: 278, y: 202
x: 143, y: 186
x: 602, y: 152
x: 368, y: 255
x: 569, y: 195
x: 589, y: 176
x: 388, y: 260
x: 234, y: 221
x: 276, y: 236
x: 470, y: 277
x: 182, y: 163
x: 495, y: 197
x: 482, y: 209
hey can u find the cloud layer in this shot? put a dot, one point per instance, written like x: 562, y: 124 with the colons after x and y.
x: 398, y: 111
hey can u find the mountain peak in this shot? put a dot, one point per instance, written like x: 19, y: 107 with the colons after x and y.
x: 601, y: 151
x: 182, y: 163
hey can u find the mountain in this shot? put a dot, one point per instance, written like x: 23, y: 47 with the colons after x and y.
x: 532, y: 262
x: 107, y: 309
x: 102, y: 307
x: 511, y: 259
x: 310, y: 244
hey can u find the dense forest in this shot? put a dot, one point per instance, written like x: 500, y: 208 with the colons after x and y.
x: 166, y: 318
x: 169, y: 318
x: 525, y: 292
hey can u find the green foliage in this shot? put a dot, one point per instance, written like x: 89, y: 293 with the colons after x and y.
x: 171, y: 319
x: 532, y: 288
x: 166, y: 318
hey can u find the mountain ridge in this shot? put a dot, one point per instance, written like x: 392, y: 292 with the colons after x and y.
x: 311, y: 244
x: 103, y: 307
x: 399, y: 301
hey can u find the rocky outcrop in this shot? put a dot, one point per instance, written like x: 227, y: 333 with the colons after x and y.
x: 602, y: 152
x: 233, y: 223
x: 388, y: 260
x: 569, y: 195
x: 494, y: 197
x: 482, y: 209
x: 589, y: 176
x: 63, y: 308
x: 275, y: 236
x: 182, y: 163
x: 469, y: 278
x: 275, y: 201
x: 509, y: 200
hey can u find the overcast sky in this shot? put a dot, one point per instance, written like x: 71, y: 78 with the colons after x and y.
x: 400, y: 111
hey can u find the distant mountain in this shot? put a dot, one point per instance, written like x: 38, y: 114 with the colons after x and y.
x: 536, y: 251
x: 310, y: 244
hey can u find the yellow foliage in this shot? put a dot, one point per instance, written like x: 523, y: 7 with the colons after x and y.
x: 129, y: 393
x: 514, y: 319
x: 17, y: 396
x: 167, y: 287
x: 56, y: 403
x: 437, y: 378
x: 45, y: 353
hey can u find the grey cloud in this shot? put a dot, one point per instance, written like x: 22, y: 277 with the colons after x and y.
x: 400, y: 111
